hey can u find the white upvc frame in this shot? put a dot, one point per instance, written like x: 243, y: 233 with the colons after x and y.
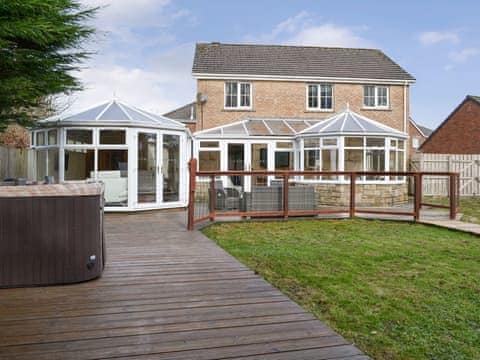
x: 238, y: 84
x: 376, y: 106
x: 131, y: 146
x: 319, y: 108
x: 341, y: 158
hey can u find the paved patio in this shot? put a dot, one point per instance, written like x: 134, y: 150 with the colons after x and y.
x: 166, y: 293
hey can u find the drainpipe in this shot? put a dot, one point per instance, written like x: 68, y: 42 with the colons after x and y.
x: 405, y: 129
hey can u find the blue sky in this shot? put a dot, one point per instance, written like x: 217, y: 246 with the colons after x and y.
x: 144, y: 48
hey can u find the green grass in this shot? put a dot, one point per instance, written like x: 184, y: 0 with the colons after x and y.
x: 398, y: 290
x: 469, y: 207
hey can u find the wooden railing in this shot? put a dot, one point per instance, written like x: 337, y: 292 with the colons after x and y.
x: 349, y: 178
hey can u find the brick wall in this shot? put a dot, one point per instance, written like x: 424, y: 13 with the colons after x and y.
x: 288, y: 99
x: 414, y: 133
x: 460, y: 133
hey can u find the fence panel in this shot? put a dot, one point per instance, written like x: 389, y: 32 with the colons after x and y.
x: 467, y: 166
x: 16, y: 163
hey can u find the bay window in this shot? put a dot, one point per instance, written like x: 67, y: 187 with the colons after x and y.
x: 238, y: 95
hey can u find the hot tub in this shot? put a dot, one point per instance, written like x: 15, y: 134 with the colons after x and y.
x: 51, y: 234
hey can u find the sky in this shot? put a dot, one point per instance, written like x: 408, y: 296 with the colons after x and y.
x: 143, y: 49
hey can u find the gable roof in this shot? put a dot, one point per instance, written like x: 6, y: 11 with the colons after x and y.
x: 296, y: 61
x: 185, y: 114
x: 475, y: 98
x: 424, y: 131
x: 113, y: 113
x: 467, y: 98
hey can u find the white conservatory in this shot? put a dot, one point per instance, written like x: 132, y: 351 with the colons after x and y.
x: 343, y: 142
x: 142, y: 158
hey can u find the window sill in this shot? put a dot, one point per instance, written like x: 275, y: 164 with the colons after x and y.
x: 319, y: 111
x: 238, y: 109
x: 377, y: 108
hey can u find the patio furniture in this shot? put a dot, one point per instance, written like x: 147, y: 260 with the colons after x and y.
x: 226, y: 198
x: 270, y: 198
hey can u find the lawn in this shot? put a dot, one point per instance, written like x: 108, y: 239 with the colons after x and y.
x: 470, y: 209
x: 398, y: 290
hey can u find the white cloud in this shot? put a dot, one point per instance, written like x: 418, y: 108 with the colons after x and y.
x: 434, y: 37
x: 158, y: 88
x: 328, y: 35
x: 301, y: 29
x: 463, y: 55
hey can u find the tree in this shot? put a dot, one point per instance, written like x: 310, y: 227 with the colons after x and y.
x: 41, y: 44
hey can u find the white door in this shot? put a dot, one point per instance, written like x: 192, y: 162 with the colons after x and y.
x: 148, y: 160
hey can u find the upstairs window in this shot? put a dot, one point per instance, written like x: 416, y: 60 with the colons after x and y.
x: 320, y: 97
x: 238, y: 95
x: 375, y: 96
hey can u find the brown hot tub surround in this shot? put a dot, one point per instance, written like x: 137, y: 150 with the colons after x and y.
x: 51, y: 234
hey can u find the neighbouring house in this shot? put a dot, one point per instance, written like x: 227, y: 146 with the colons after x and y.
x: 268, y: 107
x: 186, y: 114
x: 453, y: 147
x: 139, y: 156
x: 459, y: 133
x: 418, y: 135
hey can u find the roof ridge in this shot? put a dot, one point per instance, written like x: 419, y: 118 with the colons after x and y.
x: 291, y: 46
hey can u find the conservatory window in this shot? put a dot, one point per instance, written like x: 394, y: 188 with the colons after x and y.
x: 40, y: 138
x: 112, y: 137
x: 209, y: 156
x: 321, y: 158
x: 52, y: 137
x: 79, y: 164
x: 79, y: 137
x: 320, y: 97
x: 284, y: 156
x: 238, y: 95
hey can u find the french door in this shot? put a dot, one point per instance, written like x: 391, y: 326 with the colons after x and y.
x: 247, y: 156
x: 158, y: 169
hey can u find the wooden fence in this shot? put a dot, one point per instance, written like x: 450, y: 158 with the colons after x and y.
x: 16, y: 163
x: 467, y: 166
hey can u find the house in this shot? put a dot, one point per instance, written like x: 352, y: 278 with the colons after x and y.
x: 272, y: 107
x: 459, y: 133
x: 418, y: 135
x: 258, y: 107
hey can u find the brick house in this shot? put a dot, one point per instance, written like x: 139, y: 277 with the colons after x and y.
x: 272, y: 107
x: 418, y: 135
x: 459, y: 133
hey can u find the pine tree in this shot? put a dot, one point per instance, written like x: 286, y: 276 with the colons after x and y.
x: 41, y: 44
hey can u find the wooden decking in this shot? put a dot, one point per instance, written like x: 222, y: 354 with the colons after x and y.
x: 166, y: 293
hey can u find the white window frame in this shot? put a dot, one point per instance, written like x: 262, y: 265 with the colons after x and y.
x: 319, y: 98
x: 239, y: 85
x: 376, y: 97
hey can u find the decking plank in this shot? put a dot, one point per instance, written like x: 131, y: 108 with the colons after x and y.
x: 165, y: 293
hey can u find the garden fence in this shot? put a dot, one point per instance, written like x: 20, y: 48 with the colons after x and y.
x: 284, y: 194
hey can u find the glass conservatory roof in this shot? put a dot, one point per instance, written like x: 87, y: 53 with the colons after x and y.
x: 349, y: 122
x: 344, y: 123
x: 115, y: 113
x: 260, y: 127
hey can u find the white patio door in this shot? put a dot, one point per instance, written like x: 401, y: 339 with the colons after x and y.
x: 148, y: 168
x: 257, y: 154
